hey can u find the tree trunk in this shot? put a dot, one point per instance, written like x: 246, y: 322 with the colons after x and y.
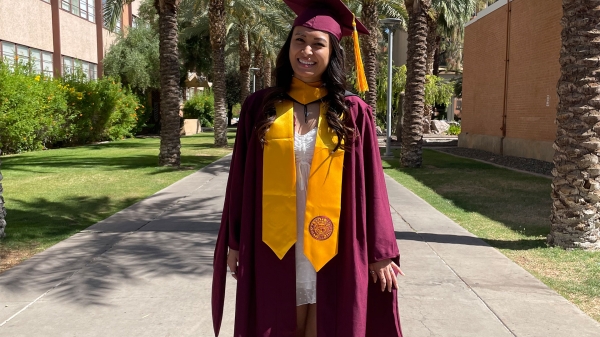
x: 245, y: 59
x: 576, y: 183
x: 370, y: 18
x: 170, y: 142
x: 348, y: 46
x: 412, y: 125
x: 258, y: 63
x: 2, y: 209
x: 217, y: 41
x: 268, y: 73
x: 436, y: 57
x: 432, y: 37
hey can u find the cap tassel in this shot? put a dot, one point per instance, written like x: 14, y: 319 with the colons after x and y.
x: 361, y: 78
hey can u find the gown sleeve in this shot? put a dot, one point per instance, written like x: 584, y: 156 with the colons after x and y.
x: 229, y: 231
x: 381, y: 239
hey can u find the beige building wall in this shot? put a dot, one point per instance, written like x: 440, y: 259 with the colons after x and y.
x: 108, y: 39
x: 135, y: 7
x: 27, y: 22
x: 533, y: 73
x: 78, y: 37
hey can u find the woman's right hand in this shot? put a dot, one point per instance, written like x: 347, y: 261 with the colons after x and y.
x: 232, y: 261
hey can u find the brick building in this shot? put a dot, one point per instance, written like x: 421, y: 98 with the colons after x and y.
x: 511, y: 71
x: 59, y: 35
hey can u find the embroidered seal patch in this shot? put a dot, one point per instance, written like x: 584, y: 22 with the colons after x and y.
x: 321, y: 228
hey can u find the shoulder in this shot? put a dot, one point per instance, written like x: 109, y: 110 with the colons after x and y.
x: 253, y: 105
x: 358, y: 108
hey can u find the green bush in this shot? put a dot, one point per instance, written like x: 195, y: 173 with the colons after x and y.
x: 202, y: 107
x: 454, y: 129
x: 38, y: 112
x: 99, y: 110
x: 32, y: 109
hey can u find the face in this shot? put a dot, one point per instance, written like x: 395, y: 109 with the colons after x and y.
x: 310, y: 51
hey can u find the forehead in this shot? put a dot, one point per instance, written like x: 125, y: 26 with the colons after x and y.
x: 310, y: 33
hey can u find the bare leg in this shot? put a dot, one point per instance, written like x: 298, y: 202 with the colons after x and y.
x: 311, y: 321
x: 301, y: 311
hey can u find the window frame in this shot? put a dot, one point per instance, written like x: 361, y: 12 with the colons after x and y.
x: 90, y: 18
x: 42, y: 60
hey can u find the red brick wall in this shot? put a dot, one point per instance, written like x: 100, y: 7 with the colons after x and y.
x: 532, y: 76
x: 534, y: 69
x: 483, y: 75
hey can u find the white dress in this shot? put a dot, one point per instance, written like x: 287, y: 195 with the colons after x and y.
x: 306, y: 276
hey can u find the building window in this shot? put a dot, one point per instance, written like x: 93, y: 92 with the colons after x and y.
x: 82, y: 8
x: 48, y: 1
x: 41, y: 61
x: 71, y: 66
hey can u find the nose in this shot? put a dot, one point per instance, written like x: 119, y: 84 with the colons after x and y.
x: 307, y: 51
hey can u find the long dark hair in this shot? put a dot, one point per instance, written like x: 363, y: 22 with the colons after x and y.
x: 334, y: 78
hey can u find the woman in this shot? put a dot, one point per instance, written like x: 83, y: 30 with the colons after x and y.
x: 306, y: 174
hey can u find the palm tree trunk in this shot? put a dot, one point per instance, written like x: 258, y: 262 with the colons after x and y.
x: 414, y: 99
x: 2, y: 209
x: 258, y: 63
x: 576, y: 183
x: 268, y: 72
x: 217, y: 41
x: 370, y: 18
x: 432, y: 37
x: 170, y: 143
x: 245, y: 59
x: 348, y: 47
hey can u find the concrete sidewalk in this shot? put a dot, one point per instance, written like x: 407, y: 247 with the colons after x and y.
x: 146, y: 271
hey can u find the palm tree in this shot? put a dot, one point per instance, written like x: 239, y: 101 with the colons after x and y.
x: 170, y: 143
x: 412, y: 126
x: 576, y: 183
x: 371, y: 11
x: 446, y: 19
x: 218, y: 34
x: 370, y: 18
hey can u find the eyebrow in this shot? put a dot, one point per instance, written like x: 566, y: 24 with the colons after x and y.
x: 316, y: 38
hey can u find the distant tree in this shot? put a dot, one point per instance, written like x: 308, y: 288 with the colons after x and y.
x: 134, y: 58
x: 232, y: 81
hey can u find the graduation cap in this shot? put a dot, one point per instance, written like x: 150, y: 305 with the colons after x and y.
x: 334, y: 17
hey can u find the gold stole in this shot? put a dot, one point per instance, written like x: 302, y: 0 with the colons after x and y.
x: 324, y: 192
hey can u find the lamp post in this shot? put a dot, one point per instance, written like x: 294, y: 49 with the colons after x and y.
x: 254, y: 78
x: 391, y: 24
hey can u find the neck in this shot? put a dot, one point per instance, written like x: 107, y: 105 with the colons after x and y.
x: 306, y: 93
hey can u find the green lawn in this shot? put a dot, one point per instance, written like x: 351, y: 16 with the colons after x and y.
x: 51, y: 195
x: 510, y: 211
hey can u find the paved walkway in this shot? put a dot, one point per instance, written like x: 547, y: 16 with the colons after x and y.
x: 146, y: 271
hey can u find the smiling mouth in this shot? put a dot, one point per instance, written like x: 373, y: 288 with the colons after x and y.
x: 306, y: 63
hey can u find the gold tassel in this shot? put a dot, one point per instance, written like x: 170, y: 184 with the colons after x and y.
x: 361, y: 78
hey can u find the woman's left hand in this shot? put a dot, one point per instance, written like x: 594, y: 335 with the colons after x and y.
x: 385, y: 271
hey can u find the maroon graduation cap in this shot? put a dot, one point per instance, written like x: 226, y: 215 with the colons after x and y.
x: 331, y: 16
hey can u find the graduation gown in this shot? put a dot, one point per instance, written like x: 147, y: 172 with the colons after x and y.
x: 349, y: 304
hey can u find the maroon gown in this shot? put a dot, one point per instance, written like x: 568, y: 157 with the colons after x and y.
x: 349, y: 304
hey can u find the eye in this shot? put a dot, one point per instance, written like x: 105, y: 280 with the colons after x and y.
x: 299, y: 39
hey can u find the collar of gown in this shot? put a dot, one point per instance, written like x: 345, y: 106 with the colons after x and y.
x: 306, y: 93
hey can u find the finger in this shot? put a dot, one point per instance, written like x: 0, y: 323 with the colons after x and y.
x: 388, y: 278
x: 373, y: 276
x: 394, y: 279
x: 397, y: 269
x: 382, y: 279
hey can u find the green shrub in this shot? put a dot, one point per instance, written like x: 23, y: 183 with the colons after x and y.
x: 202, y: 107
x: 99, y: 110
x: 38, y: 112
x: 32, y: 109
x: 454, y: 129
